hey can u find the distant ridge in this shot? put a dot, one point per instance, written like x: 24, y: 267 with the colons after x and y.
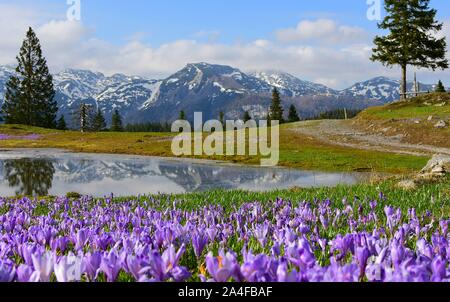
x: 209, y: 88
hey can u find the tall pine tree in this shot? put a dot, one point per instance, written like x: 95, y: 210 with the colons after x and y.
x: 29, y: 97
x: 247, y: 117
x: 440, y: 87
x: 117, y: 125
x: 293, y: 114
x: 222, y: 118
x: 276, y: 109
x: 83, y: 115
x: 411, y: 40
x: 99, y: 123
x: 61, y: 124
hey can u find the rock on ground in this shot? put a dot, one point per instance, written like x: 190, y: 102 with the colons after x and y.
x: 440, y: 124
x: 436, y: 168
x: 438, y: 165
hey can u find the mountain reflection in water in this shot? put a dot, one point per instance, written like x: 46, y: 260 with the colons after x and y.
x: 41, y: 172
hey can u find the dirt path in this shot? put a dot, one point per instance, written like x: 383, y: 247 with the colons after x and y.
x: 342, y: 133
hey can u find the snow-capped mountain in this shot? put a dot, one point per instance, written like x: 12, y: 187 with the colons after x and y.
x: 128, y: 97
x: 207, y: 88
x: 5, y: 73
x: 117, y: 91
x: 291, y: 86
x: 380, y: 88
x: 201, y: 87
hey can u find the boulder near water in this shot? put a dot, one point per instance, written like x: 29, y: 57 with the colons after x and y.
x: 439, y: 165
x: 436, y: 168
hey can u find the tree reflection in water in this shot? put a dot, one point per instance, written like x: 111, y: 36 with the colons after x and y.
x: 31, y: 177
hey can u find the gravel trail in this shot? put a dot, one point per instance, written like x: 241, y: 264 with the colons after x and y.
x: 342, y: 133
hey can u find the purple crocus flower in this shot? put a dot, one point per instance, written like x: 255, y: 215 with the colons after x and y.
x: 301, y: 255
x: 43, y: 264
x: 373, y: 205
x: 343, y: 244
x: 134, y: 265
x: 171, y: 257
x: 81, y: 239
x: 397, y: 254
x: 324, y: 221
x: 199, y: 241
x: 59, y: 244
x: 212, y: 233
x: 7, y: 271
x: 256, y: 268
x: 26, y: 250
x: 69, y: 268
x: 92, y: 264
x: 26, y: 273
x: 283, y: 275
x: 438, y: 266
x: 221, y: 268
x: 180, y: 274
x: 162, y: 267
x: 156, y: 268
x: 110, y: 265
x: 337, y: 273
x: 362, y: 254
x: 424, y: 249
x: 276, y: 249
x: 389, y: 211
x: 261, y: 232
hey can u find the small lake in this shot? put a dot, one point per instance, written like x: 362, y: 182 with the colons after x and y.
x: 56, y: 172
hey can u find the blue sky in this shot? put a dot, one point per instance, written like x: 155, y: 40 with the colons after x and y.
x: 155, y: 38
x: 163, y: 21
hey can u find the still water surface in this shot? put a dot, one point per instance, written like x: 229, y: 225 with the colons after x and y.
x: 55, y: 172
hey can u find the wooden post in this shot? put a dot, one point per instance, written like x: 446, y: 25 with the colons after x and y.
x: 416, y: 87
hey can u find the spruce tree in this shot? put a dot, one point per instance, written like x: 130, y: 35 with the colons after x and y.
x: 99, y: 123
x: 61, y: 124
x: 222, y: 118
x: 411, y: 40
x: 116, y: 122
x: 84, y: 117
x: 276, y: 110
x: 182, y: 116
x: 247, y: 117
x: 440, y: 87
x: 29, y: 97
x: 293, y: 115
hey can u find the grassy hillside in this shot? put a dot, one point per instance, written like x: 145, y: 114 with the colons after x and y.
x: 413, y: 120
x: 296, y: 150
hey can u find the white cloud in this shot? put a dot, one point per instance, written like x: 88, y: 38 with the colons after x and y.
x: 13, y: 24
x: 322, y: 31
x: 72, y: 44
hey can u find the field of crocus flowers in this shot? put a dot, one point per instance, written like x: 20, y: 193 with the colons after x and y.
x: 364, y: 233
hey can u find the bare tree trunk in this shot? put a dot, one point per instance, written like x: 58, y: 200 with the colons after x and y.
x: 403, y: 86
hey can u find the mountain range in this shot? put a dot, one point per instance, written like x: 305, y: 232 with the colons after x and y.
x: 207, y: 88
